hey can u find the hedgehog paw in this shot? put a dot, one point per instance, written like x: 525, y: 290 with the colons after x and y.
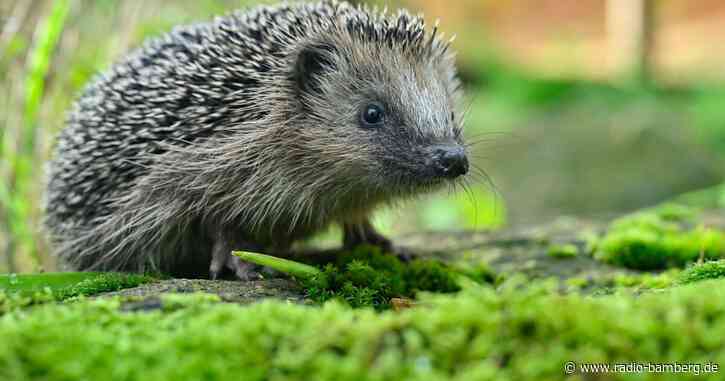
x: 365, y: 234
x: 222, y: 260
x: 242, y: 270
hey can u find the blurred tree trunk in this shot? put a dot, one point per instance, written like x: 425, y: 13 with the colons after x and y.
x: 630, y: 30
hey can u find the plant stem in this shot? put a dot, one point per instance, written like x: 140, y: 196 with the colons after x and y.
x: 286, y: 266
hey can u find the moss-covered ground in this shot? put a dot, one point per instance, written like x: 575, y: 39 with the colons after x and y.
x: 367, y: 277
x: 518, y: 331
x: 659, y: 239
x: 587, y: 299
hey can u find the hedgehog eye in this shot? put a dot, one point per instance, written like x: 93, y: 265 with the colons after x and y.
x: 372, y: 115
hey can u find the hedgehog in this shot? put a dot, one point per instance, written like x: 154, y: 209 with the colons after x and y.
x: 252, y: 132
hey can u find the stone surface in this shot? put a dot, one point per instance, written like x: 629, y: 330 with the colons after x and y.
x: 228, y: 290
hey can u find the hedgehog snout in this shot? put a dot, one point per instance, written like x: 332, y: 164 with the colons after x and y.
x: 449, y: 161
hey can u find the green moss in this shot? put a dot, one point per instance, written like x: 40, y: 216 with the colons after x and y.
x: 60, y: 286
x: 11, y: 301
x: 577, y: 283
x: 704, y: 271
x: 658, y: 239
x: 662, y: 280
x: 104, y: 282
x: 620, y: 282
x: 478, y: 271
x: 563, y: 251
x: 20, y: 291
x: 675, y: 212
x: 480, y: 334
x: 367, y: 277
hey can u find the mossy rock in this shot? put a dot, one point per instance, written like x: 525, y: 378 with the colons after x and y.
x: 654, y: 240
x: 703, y: 271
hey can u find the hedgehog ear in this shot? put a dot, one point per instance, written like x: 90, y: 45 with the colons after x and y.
x: 313, y: 62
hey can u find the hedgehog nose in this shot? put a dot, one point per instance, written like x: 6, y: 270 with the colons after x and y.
x: 450, y: 161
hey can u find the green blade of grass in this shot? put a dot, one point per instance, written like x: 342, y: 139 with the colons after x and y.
x: 19, y: 162
x: 40, y: 58
x: 286, y: 266
x: 36, y: 282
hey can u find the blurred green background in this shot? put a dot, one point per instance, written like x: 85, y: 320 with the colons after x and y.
x: 587, y: 108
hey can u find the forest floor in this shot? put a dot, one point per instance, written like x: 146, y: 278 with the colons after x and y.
x: 645, y: 289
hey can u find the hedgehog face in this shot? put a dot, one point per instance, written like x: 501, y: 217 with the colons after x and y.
x: 410, y: 123
x: 386, y: 116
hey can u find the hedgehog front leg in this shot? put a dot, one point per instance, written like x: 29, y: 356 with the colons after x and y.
x: 355, y: 234
x: 222, y: 259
